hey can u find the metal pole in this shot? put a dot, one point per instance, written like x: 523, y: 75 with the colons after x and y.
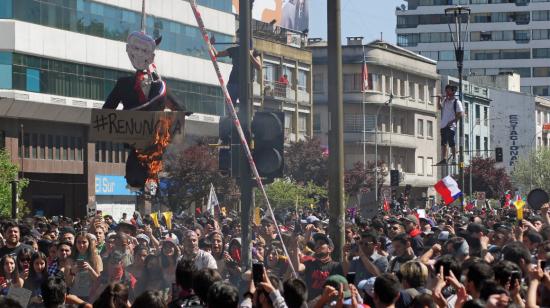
x: 363, y: 113
x: 245, y: 112
x: 336, y: 129
x: 14, y: 199
x: 471, y: 147
x: 143, y: 17
x: 22, y: 151
x: 376, y: 156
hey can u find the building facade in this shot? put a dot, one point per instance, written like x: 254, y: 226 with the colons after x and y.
x: 503, y: 36
x: 60, y: 59
x: 285, y: 82
x: 407, y: 134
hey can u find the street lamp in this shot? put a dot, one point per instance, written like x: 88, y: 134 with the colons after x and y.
x: 457, y: 14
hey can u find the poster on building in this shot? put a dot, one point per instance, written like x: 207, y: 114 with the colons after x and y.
x: 289, y: 14
x: 139, y: 128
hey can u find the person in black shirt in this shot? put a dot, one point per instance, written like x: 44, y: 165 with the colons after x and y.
x: 13, y: 246
x: 233, y: 82
x: 320, y: 267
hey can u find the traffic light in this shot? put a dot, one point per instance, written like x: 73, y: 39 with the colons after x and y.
x: 498, y: 155
x: 228, y: 154
x: 394, y: 177
x: 268, y: 135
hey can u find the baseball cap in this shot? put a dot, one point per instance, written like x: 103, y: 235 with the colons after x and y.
x: 171, y: 238
x: 335, y: 281
x: 367, y: 285
x: 143, y: 237
x: 323, y: 237
x: 443, y: 236
x: 410, y: 218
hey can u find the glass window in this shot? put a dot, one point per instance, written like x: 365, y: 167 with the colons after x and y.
x: 302, y: 80
x: 429, y: 129
x: 42, y: 147
x: 5, y: 67
x: 65, y: 146
x: 102, y: 20
x: 50, y: 147
x: 467, y: 144
x: 420, y: 128
x: 58, y: 147
x: 34, y: 146
x: 429, y: 166
x: 420, y: 165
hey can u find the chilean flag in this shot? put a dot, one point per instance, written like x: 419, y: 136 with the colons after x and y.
x: 448, y: 189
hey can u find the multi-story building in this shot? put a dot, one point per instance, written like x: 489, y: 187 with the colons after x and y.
x: 503, y: 36
x: 407, y: 128
x: 516, y: 119
x: 477, y: 119
x: 60, y: 59
x: 283, y: 54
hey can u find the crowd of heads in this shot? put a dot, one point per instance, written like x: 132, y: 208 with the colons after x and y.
x: 431, y: 258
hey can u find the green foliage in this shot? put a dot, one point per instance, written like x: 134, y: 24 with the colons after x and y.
x: 287, y: 194
x: 486, y: 177
x: 9, y: 172
x: 533, y: 171
x: 190, y: 172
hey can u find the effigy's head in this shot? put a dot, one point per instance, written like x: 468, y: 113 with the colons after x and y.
x: 140, y: 48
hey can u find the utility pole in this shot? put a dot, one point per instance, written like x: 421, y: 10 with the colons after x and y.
x: 336, y: 129
x: 245, y: 114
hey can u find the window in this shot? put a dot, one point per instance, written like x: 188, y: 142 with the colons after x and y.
x: 412, y: 90
x: 485, y: 145
x: 50, y: 147
x: 318, y: 83
x: 42, y: 147
x: 420, y: 165
x: 467, y: 144
x: 478, y: 116
x: 485, y: 116
x: 72, y: 148
x: 429, y: 166
x: 115, y: 23
x: 26, y: 145
x: 478, y: 144
x: 302, y: 124
x: 420, y: 128
x: 34, y: 150
x: 466, y: 112
x: 302, y: 80
x: 429, y: 129
x: 58, y: 148
x: 317, y: 122
x: 65, y: 146
x: 79, y: 149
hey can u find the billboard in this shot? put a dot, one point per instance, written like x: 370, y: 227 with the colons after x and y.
x: 289, y: 14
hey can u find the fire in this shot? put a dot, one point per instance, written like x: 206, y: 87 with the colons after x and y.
x: 152, y: 155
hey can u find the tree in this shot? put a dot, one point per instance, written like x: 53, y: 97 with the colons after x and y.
x: 533, y: 171
x: 8, y: 172
x: 359, y: 179
x: 287, y: 194
x: 305, y: 161
x: 190, y: 172
x: 486, y: 177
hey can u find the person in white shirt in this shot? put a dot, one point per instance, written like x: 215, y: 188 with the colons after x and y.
x: 191, y: 251
x: 451, y: 111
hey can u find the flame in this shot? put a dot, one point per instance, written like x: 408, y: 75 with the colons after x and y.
x: 152, y: 155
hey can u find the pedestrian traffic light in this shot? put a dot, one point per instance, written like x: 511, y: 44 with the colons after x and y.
x: 394, y: 177
x: 269, y: 136
x: 498, y: 155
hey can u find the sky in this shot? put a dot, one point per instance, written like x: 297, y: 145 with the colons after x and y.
x: 365, y: 18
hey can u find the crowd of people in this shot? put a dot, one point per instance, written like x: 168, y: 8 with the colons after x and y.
x: 444, y: 258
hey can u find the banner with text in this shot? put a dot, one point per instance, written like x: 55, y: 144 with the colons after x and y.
x: 137, y: 128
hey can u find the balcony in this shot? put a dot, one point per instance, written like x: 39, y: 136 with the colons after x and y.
x: 278, y: 90
x: 397, y: 140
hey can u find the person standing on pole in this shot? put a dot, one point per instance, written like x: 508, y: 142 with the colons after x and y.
x: 451, y: 112
x: 233, y: 82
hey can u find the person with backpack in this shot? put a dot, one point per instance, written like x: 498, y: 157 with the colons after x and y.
x: 451, y: 111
